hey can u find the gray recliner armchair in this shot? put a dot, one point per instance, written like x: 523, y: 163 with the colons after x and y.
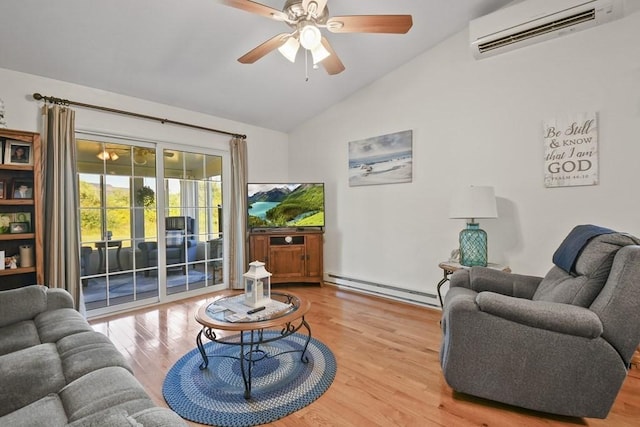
x: 561, y: 344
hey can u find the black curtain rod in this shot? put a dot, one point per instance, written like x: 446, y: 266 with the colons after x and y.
x: 61, y: 101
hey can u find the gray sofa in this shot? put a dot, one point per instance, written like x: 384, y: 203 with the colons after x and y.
x: 561, y: 344
x: 55, y: 370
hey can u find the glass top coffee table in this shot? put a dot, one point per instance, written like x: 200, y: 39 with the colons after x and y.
x: 227, y: 313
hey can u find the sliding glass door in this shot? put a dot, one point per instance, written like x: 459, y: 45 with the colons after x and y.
x: 148, y: 229
x: 192, y: 220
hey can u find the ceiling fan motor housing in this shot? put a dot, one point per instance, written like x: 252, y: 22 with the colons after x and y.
x: 295, y: 12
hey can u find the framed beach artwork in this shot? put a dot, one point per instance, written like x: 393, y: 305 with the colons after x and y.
x: 385, y: 159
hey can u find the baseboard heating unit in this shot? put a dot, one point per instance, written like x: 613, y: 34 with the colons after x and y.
x: 379, y: 289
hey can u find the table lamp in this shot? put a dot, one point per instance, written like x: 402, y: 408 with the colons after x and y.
x: 472, y: 203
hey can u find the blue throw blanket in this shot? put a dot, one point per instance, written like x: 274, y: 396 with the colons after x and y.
x: 566, y: 255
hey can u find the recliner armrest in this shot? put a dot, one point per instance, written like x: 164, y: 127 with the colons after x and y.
x: 562, y: 318
x: 482, y: 279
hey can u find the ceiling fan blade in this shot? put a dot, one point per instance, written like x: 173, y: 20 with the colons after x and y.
x: 394, y: 24
x: 332, y: 63
x: 320, y: 5
x: 257, y: 8
x: 266, y: 47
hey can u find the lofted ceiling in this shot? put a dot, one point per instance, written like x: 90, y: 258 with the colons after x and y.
x: 184, y: 53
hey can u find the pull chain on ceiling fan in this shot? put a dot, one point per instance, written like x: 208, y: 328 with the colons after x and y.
x: 306, y: 17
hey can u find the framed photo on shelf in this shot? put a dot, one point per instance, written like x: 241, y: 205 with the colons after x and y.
x: 18, y: 227
x: 24, y: 217
x: 5, y: 220
x: 22, y: 189
x: 18, y: 153
x: 3, y: 189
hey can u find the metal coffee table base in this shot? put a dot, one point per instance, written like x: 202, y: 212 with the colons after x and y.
x: 250, y: 351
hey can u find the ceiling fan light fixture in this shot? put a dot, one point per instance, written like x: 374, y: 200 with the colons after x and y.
x: 140, y: 156
x: 319, y: 54
x: 106, y: 155
x: 290, y: 49
x: 310, y: 36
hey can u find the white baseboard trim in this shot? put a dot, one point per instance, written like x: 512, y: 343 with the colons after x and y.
x: 387, y: 291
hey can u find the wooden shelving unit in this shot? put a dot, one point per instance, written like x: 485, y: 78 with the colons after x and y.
x: 10, y: 243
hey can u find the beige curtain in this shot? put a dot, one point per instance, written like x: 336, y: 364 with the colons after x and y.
x: 61, y: 222
x: 238, y: 222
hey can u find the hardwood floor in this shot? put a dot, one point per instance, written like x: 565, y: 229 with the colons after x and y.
x: 388, y: 367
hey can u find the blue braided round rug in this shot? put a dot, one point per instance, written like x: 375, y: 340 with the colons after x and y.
x: 281, y: 385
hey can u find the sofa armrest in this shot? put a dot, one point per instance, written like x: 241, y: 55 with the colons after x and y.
x: 58, y: 298
x: 551, y: 316
x: 482, y: 279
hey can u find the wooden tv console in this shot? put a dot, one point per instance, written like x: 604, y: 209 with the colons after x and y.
x: 291, y: 256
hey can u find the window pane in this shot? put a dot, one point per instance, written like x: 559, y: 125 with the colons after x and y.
x: 118, y: 191
x: 194, y: 166
x: 144, y: 161
x: 172, y: 191
x: 87, y: 160
x: 90, y: 225
x: 213, y: 166
x: 118, y: 223
x: 117, y: 159
x: 89, y: 188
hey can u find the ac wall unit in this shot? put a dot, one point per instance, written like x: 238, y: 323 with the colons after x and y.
x: 533, y: 21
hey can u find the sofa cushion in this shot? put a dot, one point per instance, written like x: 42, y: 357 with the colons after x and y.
x: 85, y: 352
x: 107, y: 418
x: 28, y: 375
x: 20, y: 335
x: 47, y: 411
x: 54, y: 325
x: 22, y: 304
x: 107, y: 388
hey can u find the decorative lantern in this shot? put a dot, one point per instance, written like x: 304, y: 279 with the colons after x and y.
x: 257, y: 285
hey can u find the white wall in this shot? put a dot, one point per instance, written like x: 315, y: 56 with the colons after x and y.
x: 473, y: 122
x: 478, y: 123
x: 267, y: 148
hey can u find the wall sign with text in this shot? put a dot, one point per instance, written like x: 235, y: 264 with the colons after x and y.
x: 571, y: 151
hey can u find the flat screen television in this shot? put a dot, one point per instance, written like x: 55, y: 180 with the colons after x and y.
x: 280, y: 205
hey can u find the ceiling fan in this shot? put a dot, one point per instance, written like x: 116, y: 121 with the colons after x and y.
x: 306, y: 17
x: 140, y: 155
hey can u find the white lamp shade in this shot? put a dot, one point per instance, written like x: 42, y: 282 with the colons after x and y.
x: 290, y: 49
x: 319, y: 54
x: 310, y: 37
x: 474, y: 202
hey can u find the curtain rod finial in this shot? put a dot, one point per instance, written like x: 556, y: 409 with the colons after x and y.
x: 37, y: 96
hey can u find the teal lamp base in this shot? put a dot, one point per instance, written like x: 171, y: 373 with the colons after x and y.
x: 473, y: 246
